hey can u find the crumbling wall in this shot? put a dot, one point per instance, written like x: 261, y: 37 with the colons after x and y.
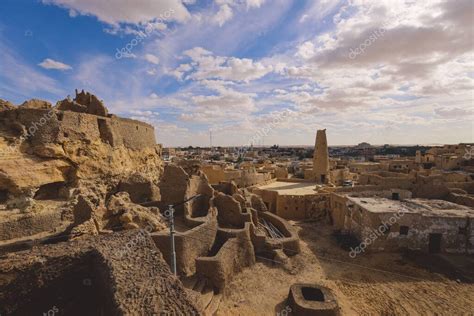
x: 234, y: 255
x: 116, y: 274
x: 215, y: 174
x: 136, y: 134
x: 230, y: 212
x: 173, y: 187
x: 18, y: 226
x: 290, y: 243
x: 53, y: 126
x: 311, y: 206
x: 198, y: 207
x: 190, y: 244
x: 382, y: 231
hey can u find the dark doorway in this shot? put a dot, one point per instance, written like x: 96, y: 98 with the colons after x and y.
x: 50, y: 191
x: 323, y: 178
x: 434, y: 245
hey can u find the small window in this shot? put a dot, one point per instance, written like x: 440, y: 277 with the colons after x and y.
x: 387, y: 231
x: 403, y: 230
x: 66, y: 135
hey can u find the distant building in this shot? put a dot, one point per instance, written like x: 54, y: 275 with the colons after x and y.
x: 321, y: 158
x: 392, y: 223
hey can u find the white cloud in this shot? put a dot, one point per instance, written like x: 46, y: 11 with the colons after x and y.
x: 125, y: 11
x: 223, y: 15
x: 254, y: 3
x: 209, y: 66
x: 152, y: 59
x: 49, y: 63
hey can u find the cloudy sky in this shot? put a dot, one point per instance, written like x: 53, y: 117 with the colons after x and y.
x: 379, y: 71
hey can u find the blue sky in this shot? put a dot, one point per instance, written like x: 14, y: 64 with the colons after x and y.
x: 378, y: 71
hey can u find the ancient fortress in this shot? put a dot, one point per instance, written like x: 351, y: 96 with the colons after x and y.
x: 85, y: 193
x: 84, y: 118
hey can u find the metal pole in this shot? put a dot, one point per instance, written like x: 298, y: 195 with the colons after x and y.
x: 172, y: 232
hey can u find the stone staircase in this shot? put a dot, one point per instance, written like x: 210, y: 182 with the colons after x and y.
x: 207, y: 300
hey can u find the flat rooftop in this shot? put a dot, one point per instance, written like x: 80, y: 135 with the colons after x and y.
x: 424, y: 207
x: 290, y: 188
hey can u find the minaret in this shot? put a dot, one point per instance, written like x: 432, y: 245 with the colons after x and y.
x: 321, y: 158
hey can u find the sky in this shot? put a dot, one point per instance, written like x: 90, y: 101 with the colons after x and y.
x: 259, y: 72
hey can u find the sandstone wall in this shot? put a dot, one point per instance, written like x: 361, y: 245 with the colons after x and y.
x: 234, y: 255
x: 52, y: 126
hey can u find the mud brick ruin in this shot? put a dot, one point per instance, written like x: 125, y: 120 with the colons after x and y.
x: 83, y: 195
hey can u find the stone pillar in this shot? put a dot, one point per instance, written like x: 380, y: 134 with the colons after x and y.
x: 321, y: 158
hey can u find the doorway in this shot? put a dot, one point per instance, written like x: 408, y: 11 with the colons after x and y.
x: 434, y: 245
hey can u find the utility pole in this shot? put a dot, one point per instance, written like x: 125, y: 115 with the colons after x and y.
x: 170, y: 214
x: 172, y: 233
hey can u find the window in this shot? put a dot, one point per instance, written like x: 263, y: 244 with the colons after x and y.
x: 403, y: 230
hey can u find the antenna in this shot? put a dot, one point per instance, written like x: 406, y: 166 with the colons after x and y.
x: 210, y: 140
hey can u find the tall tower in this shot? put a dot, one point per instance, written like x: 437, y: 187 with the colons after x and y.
x: 321, y: 158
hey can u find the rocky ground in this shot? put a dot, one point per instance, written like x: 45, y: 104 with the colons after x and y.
x: 370, y: 284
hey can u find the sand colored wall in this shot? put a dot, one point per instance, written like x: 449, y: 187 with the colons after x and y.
x: 52, y: 126
x: 302, y: 206
x: 420, y: 227
x: 215, y: 174
x: 233, y: 256
x: 190, y: 245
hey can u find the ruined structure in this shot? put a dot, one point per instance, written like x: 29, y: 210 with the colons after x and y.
x: 392, y: 221
x: 74, y: 171
x: 321, y: 158
x: 119, y: 274
x: 60, y: 165
x: 294, y: 199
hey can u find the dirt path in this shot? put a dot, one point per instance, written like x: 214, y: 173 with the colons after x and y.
x: 361, y: 285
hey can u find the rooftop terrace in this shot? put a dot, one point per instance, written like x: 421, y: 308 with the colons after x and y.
x: 423, y: 206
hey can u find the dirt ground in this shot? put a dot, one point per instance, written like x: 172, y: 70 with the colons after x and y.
x: 370, y: 284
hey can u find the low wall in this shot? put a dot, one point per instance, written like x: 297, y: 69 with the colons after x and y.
x: 461, y: 199
x: 29, y: 224
x: 290, y: 244
x: 233, y: 256
x: 191, y: 244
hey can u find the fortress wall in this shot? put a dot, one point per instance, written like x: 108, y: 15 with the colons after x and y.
x: 135, y: 134
x: 52, y: 126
